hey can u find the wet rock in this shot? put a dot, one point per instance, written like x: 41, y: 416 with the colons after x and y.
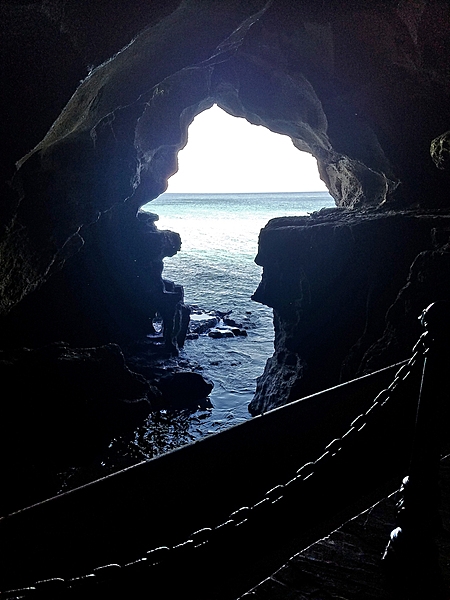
x: 216, y: 324
x: 218, y: 333
x: 231, y: 323
x: 175, y: 316
x: 226, y: 332
x: 183, y: 389
x: 237, y: 331
x: 192, y: 336
x: 178, y: 381
x: 202, y: 323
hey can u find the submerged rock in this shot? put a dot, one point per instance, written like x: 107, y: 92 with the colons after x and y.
x: 239, y: 332
x: 220, y: 333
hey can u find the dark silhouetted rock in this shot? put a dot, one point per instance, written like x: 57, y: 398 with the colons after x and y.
x: 184, y: 389
x: 61, y: 407
x: 333, y: 280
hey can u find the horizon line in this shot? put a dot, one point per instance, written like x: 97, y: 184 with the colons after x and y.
x: 265, y: 192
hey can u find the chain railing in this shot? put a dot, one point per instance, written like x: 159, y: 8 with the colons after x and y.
x: 411, y: 558
x: 60, y: 587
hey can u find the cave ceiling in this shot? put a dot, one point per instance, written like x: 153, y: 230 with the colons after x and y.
x: 358, y: 86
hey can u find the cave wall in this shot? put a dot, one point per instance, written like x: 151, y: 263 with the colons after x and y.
x: 363, y: 86
x: 347, y: 292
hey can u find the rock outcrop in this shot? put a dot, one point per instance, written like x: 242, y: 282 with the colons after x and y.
x: 363, y: 86
x: 331, y: 279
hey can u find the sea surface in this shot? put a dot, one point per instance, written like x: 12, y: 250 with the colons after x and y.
x: 216, y: 267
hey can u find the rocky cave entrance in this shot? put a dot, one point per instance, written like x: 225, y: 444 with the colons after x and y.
x: 78, y: 265
x: 113, y: 149
x: 233, y: 161
x: 362, y: 86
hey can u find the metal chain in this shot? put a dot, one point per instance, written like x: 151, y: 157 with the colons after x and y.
x: 157, y: 556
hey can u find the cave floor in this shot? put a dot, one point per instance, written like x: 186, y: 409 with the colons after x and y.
x: 346, y: 565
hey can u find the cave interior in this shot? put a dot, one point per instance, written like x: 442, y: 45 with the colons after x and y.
x: 98, y: 100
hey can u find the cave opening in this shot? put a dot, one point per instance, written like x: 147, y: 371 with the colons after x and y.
x: 362, y: 86
x: 119, y: 257
x: 232, y: 178
x: 120, y: 152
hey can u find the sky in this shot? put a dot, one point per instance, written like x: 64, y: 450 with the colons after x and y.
x: 226, y: 154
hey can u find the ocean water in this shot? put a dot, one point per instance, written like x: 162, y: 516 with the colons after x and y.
x: 216, y: 267
x: 219, y: 234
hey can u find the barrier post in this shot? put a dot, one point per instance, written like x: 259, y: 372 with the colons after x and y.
x: 411, y: 558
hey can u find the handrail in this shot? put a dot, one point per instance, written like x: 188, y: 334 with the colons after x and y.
x: 159, y: 503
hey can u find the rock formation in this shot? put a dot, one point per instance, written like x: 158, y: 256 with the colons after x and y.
x: 347, y: 289
x: 363, y: 86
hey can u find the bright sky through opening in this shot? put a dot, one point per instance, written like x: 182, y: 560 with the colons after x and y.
x: 226, y: 154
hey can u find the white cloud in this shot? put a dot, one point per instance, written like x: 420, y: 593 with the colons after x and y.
x: 225, y: 154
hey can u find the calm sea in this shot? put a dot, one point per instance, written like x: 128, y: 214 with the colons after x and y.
x: 216, y: 266
x: 219, y: 234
